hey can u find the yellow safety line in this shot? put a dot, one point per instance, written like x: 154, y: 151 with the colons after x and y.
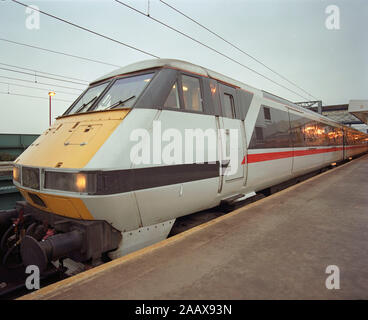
x: 54, y: 288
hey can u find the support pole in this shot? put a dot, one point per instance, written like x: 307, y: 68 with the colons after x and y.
x: 50, y: 112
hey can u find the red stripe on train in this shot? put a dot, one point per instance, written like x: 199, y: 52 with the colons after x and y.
x: 258, y: 157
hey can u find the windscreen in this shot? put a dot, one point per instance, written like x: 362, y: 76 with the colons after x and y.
x: 124, y: 92
x: 88, y: 98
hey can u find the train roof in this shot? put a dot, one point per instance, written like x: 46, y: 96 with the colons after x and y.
x: 177, y: 64
x: 193, y: 68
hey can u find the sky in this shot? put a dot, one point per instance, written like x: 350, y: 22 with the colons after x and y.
x: 289, y: 36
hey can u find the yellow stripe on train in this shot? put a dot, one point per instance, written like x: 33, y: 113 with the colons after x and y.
x: 61, y: 205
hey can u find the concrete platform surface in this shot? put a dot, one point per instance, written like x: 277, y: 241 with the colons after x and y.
x: 276, y: 248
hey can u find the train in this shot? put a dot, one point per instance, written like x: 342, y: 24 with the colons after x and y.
x: 88, y: 199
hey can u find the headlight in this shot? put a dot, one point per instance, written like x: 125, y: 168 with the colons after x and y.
x: 68, y: 181
x: 16, y: 174
x: 31, y: 177
x: 81, y: 182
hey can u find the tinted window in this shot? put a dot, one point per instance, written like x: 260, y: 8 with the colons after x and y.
x: 354, y: 137
x: 315, y: 134
x: 297, y: 130
x: 215, y: 97
x: 172, y: 100
x: 229, y: 107
x: 334, y: 135
x: 259, y: 134
x: 192, y: 93
x: 340, y: 136
x: 267, y: 113
x: 325, y: 131
x: 245, y: 99
x: 274, y: 133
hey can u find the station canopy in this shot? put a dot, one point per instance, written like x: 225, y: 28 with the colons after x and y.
x: 359, y: 108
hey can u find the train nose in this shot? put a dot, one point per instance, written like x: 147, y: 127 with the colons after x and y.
x: 73, y: 140
x: 69, y: 144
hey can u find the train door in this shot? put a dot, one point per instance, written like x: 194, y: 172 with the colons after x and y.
x: 345, y: 144
x: 232, y: 144
x: 340, y: 143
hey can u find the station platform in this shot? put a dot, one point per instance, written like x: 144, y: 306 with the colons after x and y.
x: 276, y: 248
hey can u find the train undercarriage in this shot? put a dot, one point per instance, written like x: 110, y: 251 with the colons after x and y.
x: 55, y: 244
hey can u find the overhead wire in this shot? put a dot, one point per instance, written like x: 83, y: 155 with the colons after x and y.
x: 30, y: 96
x: 41, y: 76
x: 38, y: 71
x: 87, y: 30
x: 43, y: 89
x: 59, y: 52
x: 208, y: 47
x: 42, y: 83
x: 168, y: 26
x: 236, y: 47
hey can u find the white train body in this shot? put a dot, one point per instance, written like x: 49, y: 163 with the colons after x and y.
x: 277, y: 140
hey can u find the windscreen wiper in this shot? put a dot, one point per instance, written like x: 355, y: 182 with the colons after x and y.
x: 86, y: 104
x: 120, y: 102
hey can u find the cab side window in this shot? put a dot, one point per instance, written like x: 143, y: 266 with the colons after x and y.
x: 267, y: 113
x: 192, y: 93
x: 229, y: 106
x: 172, y: 100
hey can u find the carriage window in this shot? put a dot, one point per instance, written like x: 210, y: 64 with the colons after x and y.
x: 271, y: 134
x: 259, y: 133
x: 297, y: 129
x: 315, y: 134
x: 229, y: 107
x: 172, y: 100
x: 191, y: 93
x: 124, y: 92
